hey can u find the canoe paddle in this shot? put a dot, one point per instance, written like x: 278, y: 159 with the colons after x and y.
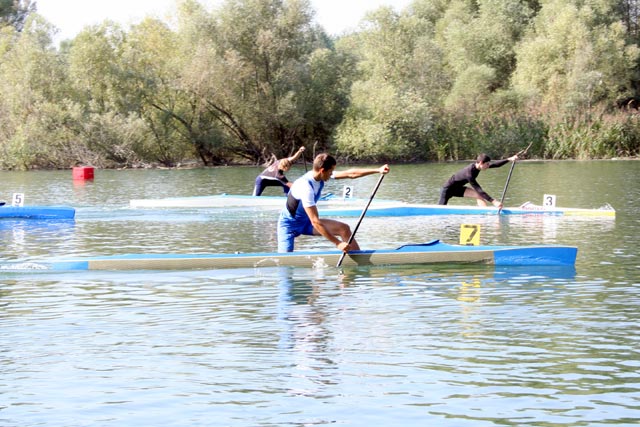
x: 504, y: 192
x: 364, y: 211
x: 513, y: 164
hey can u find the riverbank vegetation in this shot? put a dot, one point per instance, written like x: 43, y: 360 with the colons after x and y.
x: 441, y: 80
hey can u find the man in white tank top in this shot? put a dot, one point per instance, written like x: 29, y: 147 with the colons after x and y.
x: 300, y: 215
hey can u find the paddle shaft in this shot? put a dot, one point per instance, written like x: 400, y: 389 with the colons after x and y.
x: 506, y: 185
x: 364, y: 211
x: 513, y: 164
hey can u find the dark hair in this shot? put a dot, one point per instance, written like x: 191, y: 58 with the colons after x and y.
x: 323, y: 161
x: 483, y: 158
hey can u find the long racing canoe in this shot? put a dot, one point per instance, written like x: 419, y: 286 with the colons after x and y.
x: 331, y: 205
x: 37, y: 212
x: 407, y: 209
x: 434, y: 252
x: 239, y: 201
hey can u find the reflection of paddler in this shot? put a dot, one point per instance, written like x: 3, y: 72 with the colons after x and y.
x: 297, y: 292
x: 273, y: 176
x: 303, y: 335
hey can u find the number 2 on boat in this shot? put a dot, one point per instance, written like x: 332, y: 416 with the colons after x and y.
x: 347, y: 192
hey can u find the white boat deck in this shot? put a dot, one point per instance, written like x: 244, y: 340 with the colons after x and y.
x: 261, y: 202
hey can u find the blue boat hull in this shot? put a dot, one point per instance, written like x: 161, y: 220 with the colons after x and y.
x: 429, y: 253
x: 37, y: 212
x: 405, y: 209
x: 331, y: 205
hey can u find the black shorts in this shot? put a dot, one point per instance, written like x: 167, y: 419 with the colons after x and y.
x: 448, y: 192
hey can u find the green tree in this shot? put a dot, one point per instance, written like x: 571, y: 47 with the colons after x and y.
x: 275, y: 64
x: 16, y: 12
x: 480, y: 39
x: 208, y: 80
x: 629, y: 12
x: 574, y: 58
x: 390, y: 109
x: 94, y: 66
x: 103, y: 106
x: 30, y: 99
x: 152, y: 62
x: 255, y: 74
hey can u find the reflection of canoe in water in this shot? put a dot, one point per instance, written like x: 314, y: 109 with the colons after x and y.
x: 37, y: 212
x: 433, y: 252
x: 406, y: 209
x: 235, y: 201
x: 332, y: 205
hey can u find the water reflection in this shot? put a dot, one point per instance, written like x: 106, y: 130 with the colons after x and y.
x: 406, y: 345
x: 317, y: 310
x: 35, y: 237
x: 304, y: 337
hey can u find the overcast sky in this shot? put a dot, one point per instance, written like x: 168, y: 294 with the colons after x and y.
x: 70, y: 16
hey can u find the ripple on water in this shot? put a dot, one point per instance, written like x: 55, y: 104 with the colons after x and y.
x: 447, y: 345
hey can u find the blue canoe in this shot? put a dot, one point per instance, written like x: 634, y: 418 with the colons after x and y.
x: 434, y: 252
x: 407, y: 209
x: 332, y: 205
x: 37, y: 212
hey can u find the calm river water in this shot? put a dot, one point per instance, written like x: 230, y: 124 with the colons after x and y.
x: 408, y: 346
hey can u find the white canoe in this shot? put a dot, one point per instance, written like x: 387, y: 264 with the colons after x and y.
x: 262, y: 202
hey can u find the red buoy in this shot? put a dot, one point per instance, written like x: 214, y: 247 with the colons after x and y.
x: 83, y: 172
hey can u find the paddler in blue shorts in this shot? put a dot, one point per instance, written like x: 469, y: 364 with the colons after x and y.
x: 300, y: 215
x: 273, y: 176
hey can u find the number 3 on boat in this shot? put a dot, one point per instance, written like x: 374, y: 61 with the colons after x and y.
x: 470, y: 234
